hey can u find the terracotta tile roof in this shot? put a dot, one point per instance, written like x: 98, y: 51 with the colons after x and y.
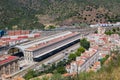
x: 97, y: 63
x: 80, y: 62
x: 5, y: 59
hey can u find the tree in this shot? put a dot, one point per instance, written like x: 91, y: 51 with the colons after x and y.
x: 96, y: 32
x: 81, y: 49
x: 118, y: 28
x: 72, y: 56
x: 108, y: 32
x: 78, y: 53
x: 44, y: 67
x: 114, y: 30
x: 53, y: 66
x: 84, y: 43
x: 104, y: 59
x: 61, y: 63
x: 61, y: 70
x: 51, y: 27
x: 29, y: 75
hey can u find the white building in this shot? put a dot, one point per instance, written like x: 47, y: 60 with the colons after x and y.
x: 84, y: 62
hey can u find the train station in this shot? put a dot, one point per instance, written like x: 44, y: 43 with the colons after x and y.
x: 39, y: 49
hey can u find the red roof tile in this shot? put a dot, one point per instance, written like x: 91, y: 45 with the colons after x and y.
x: 6, y: 59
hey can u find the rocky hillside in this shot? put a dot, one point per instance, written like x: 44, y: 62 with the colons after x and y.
x: 31, y: 13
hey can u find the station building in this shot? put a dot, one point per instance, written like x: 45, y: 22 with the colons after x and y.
x: 42, y: 48
x: 8, y: 64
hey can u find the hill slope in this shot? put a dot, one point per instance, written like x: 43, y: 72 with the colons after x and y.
x: 63, y: 12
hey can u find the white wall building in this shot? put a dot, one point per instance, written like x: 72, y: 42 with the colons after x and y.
x: 84, y: 62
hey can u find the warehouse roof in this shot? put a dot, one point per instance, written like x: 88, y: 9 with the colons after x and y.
x: 51, y: 41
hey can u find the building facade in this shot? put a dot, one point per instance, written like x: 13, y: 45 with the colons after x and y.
x: 42, y: 48
x: 8, y: 64
x: 84, y: 62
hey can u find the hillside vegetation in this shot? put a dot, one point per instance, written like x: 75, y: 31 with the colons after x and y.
x: 63, y: 12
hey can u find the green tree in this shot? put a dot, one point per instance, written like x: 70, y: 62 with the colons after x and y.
x: 61, y: 70
x: 108, y: 32
x: 84, y: 43
x: 104, y: 59
x: 51, y: 27
x: 44, y: 66
x: 78, y: 53
x: 30, y: 75
x: 61, y: 63
x: 114, y: 30
x: 96, y: 32
x: 52, y: 67
x: 81, y: 49
x: 118, y: 28
x: 72, y: 56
